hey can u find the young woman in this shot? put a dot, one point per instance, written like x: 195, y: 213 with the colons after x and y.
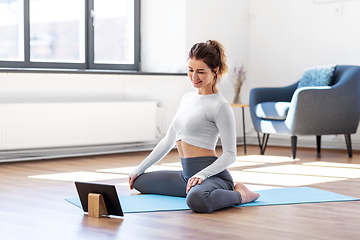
x: 201, y: 117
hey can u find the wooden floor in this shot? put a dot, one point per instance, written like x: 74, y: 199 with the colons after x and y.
x: 34, y: 208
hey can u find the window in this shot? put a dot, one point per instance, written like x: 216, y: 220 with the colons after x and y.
x: 57, y: 31
x: 77, y: 34
x: 12, y: 31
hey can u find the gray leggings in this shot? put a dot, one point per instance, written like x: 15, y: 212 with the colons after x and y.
x: 212, y: 194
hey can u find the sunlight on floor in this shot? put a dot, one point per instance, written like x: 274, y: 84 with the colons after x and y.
x: 332, y: 164
x: 254, y: 187
x: 279, y: 179
x: 169, y: 167
x: 175, y: 164
x: 265, y: 159
x: 261, y: 178
x: 123, y: 184
x: 310, y: 171
x: 283, y: 174
x: 243, y: 164
x: 80, y: 176
x: 128, y: 170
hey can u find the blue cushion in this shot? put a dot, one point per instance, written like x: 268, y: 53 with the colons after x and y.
x: 317, y: 76
x: 272, y: 110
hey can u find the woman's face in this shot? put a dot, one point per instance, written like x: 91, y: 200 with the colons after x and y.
x: 201, y: 76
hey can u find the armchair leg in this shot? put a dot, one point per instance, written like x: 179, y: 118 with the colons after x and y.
x: 293, y: 146
x: 318, y: 143
x: 258, y: 135
x: 348, y: 144
x: 263, y: 143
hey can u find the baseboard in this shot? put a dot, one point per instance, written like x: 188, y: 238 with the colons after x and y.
x: 330, y: 142
x: 51, y: 153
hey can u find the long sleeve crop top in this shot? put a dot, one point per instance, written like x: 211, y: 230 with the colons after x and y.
x: 199, y: 121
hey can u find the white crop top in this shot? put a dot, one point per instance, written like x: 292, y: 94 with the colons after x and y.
x: 199, y: 121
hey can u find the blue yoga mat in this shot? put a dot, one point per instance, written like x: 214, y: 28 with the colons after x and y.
x: 278, y: 196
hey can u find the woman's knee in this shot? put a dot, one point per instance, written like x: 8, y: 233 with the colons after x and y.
x: 140, y: 183
x: 162, y: 182
x: 198, y: 201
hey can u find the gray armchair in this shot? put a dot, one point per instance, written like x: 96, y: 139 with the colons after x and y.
x: 315, y: 111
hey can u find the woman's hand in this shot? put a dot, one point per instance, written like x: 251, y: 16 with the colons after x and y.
x: 131, y: 180
x: 192, y: 182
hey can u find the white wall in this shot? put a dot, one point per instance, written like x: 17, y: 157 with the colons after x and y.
x: 275, y: 40
x: 226, y: 22
x: 170, y: 28
x: 163, y: 34
x: 286, y: 36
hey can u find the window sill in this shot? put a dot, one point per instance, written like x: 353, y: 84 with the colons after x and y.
x: 85, y: 71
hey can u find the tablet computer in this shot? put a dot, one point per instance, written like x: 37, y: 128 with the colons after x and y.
x: 108, y: 192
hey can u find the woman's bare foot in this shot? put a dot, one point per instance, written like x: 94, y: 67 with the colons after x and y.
x: 246, y: 195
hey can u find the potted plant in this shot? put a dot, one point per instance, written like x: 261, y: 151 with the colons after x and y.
x: 239, y: 78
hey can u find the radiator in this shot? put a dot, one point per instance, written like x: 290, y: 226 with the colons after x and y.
x: 54, y: 125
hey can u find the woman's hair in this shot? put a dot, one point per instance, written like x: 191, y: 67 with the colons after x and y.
x: 213, y: 54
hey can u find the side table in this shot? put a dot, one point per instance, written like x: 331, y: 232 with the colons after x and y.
x: 243, y: 119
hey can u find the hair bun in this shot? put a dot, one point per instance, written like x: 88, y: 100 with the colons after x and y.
x: 213, y: 43
x: 213, y: 54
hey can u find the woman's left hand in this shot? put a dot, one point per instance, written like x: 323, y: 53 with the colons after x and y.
x: 192, y: 182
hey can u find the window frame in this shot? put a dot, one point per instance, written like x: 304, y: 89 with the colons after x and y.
x: 89, y: 46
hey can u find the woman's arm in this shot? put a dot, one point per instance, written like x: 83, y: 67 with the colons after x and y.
x: 158, y: 153
x: 225, y: 122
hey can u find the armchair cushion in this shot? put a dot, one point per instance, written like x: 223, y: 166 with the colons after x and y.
x: 317, y: 76
x: 272, y: 110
